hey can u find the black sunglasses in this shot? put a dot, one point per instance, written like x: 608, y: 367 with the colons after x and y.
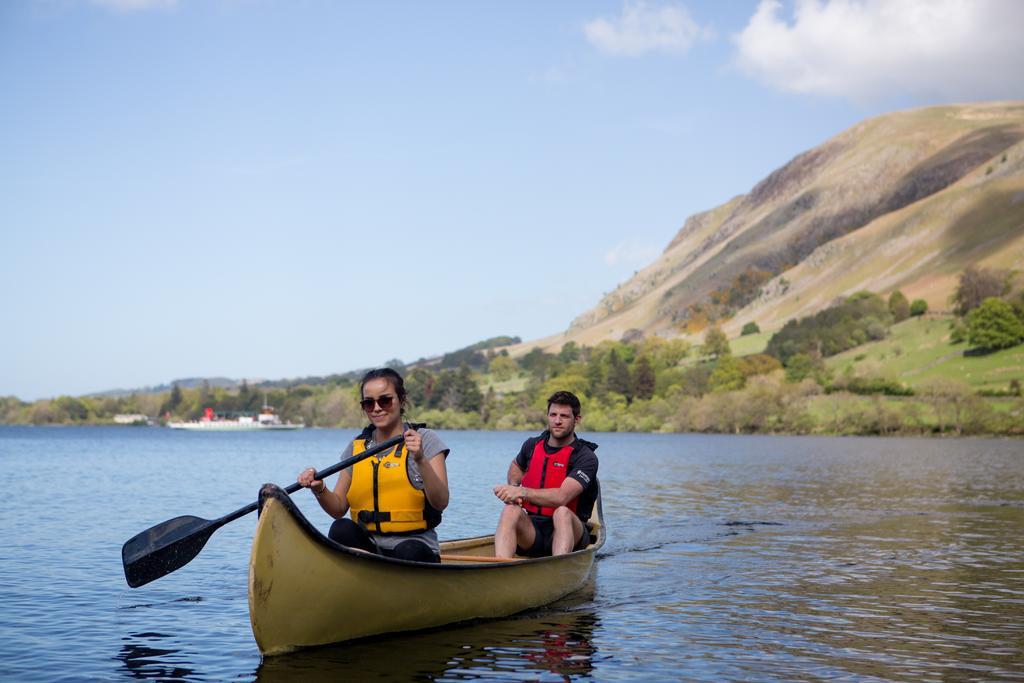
x: 384, y: 402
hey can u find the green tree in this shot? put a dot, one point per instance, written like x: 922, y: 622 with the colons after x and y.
x: 490, y: 406
x: 644, y: 380
x: 569, y: 381
x: 750, y: 328
x: 537, y: 363
x: 419, y: 387
x: 71, y: 409
x: 470, y: 399
x: 570, y: 352
x: 800, y: 366
x: 727, y: 375
x: 173, y: 401
x: 595, y: 377
x: 716, y: 344
x: 503, y: 367
x: 993, y: 325
x: 918, y: 307
x: 899, y: 307
x: 618, y: 376
x: 446, y: 391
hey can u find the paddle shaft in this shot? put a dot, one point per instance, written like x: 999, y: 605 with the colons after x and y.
x: 478, y: 558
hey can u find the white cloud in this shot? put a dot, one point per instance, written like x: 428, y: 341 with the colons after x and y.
x: 643, y: 28
x: 867, y: 49
x: 135, y: 5
x: 631, y: 254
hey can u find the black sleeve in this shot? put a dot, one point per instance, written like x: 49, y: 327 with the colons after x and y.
x: 525, y: 453
x: 584, y: 467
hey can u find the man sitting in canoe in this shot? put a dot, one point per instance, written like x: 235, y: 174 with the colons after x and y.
x: 552, y: 485
x: 397, y: 497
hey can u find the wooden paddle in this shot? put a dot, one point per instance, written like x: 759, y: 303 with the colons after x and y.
x: 171, y: 545
x: 478, y: 558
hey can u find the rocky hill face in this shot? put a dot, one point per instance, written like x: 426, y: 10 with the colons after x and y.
x: 904, y: 200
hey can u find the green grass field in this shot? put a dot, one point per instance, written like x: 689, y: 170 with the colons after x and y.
x: 919, y: 349
x: 509, y: 386
x: 750, y: 344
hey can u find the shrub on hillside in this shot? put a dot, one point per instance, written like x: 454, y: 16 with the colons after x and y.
x: 750, y: 328
x: 868, y: 386
x: 918, y: 307
x: 803, y: 366
x: 899, y: 307
x: 759, y: 364
x: 993, y: 325
x: 957, y: 331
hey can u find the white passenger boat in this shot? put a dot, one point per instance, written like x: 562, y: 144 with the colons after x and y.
x: 267, y: 420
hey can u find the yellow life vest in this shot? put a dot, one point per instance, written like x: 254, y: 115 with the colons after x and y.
x: 381, y: 498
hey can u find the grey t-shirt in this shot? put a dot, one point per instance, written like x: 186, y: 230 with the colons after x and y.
x: 432, y: 447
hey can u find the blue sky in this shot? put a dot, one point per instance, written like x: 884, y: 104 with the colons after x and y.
x: 271, y: 189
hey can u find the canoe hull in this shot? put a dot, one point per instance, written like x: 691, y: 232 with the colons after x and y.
x: 305, y: 590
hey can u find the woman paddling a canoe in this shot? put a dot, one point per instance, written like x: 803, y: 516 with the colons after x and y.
x: 396, y: 498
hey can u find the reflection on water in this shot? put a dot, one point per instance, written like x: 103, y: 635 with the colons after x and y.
x: 550, y: 646
x: 728, y: 558
x: 141, y: 660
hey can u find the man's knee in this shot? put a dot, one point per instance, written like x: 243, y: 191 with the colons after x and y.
x: 563, y: 515
x: 565, y: 520
x: 511, y: 515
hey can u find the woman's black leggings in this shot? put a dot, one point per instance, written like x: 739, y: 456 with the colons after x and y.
x: 347, y: 532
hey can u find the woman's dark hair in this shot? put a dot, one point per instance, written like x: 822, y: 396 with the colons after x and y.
x: 565, y: 398
x: 390, y: 375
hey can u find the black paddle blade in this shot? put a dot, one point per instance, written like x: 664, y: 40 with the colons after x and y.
x: 161, y: 549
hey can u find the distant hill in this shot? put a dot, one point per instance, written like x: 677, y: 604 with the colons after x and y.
x: 901, y: 201
x: 186, y: 383
x: 472, y: 355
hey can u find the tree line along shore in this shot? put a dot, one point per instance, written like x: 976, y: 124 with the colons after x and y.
x: 864, y: 365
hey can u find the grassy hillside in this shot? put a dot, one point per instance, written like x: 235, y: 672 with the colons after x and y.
x: 918, y: 349
x: 751, y: 343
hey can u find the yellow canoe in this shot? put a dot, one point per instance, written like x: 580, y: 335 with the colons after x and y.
x: 306, y: 590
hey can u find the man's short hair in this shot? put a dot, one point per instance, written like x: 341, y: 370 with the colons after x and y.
x: 565, y: 398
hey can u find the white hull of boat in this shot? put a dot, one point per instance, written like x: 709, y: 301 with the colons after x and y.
x: 228, y: 426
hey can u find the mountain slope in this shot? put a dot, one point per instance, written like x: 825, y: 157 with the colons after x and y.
x: 905, y: 200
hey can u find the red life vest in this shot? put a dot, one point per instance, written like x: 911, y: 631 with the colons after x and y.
x: 547, y: 471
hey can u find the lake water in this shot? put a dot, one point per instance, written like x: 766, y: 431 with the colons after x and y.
x: 728, y: 557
